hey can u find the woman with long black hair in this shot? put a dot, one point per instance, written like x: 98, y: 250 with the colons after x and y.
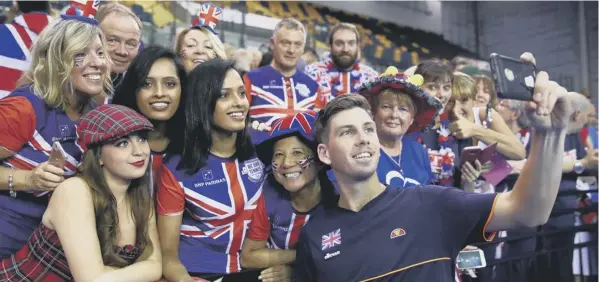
x: 208, y: 193
x: 155, y: 87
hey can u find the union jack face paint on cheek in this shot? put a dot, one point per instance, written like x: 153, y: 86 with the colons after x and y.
x: 304, y: 163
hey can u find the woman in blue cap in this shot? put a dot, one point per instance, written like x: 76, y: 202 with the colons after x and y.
x: 292, y: 192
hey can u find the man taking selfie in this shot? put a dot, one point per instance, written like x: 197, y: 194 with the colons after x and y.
x: 373, y: 232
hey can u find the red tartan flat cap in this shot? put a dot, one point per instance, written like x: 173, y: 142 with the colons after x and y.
x: 109, y: 122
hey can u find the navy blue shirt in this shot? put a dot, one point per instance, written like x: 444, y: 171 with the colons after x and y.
x: 401, y: 235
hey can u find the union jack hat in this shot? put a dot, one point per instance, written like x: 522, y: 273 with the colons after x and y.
x: 109, y: 122
x: 299, y: 124
x: 82, y: 10
x: 208, y: 17
x: 427, y: 106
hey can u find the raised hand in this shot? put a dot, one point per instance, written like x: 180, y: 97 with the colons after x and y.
x: 462, y: 128
x: 550, y: 109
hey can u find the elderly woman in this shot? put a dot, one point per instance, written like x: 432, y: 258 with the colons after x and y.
x: 69, y: 67
x: 400, y: 106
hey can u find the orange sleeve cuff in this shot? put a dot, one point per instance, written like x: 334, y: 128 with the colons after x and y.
x: 17, y: 122
x: 489, y: 236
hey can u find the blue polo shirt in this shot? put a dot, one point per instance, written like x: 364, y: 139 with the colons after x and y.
x: 401, y: 235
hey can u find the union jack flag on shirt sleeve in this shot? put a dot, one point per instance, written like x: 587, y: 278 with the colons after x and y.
x: 260, y: 226
x: 17, y: 122
x: 170, y: 195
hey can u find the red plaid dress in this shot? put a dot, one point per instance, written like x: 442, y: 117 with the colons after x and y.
x: 42, y: 259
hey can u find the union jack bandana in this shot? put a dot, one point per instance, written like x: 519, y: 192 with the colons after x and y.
x: 82, y: 10
x: 208, y: 17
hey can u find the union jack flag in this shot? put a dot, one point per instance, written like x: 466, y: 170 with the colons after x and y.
x: 332, y: 239
x: 223, y: 219
x: 302, y: 121
x: 208, y: 17
x: 17, y: 38
x: 273, y: 96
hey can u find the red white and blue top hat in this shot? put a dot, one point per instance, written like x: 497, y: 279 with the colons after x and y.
x: 82, y: 10
x: 208, y: 17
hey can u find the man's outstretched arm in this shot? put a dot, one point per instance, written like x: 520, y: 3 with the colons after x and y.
x: 532, y: 199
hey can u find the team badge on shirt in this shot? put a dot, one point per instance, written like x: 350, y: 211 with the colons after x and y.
x: 254, y: 169
x: 302, y: 89
x: 397, y: 232
x: 332, y: 239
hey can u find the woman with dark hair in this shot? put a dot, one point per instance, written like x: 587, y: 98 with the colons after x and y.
x: 207, y: 193
x: 154, y: 87
x: 291, y: 193
x: 99, y: 225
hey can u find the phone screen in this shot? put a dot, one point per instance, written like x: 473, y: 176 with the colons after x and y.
x: 471, y: 259
x: 57, y: 155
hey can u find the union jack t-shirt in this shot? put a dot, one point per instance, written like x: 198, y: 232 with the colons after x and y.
x: 273, y: 96
x: 217, y: 204
x: 276, y: 220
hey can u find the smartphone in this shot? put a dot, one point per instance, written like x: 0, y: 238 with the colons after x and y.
x: 57, y: 155
x: 470, y: 154
x: 486, y: 155
x: 471, y: 259
x: 514, y: 79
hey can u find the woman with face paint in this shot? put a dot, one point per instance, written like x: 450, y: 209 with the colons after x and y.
x: 290, y: 194
x: 207, y: 194
x: 69, y: 67
x: 155, y: 87
x: 200, y: 42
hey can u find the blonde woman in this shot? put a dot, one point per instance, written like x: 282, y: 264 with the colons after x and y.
x: 69, y: 67
x: 199, y: 43
x: 484, y: 126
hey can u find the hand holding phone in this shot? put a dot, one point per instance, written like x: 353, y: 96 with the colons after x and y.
x: 471, y: 259
x: 57, y: 155
x: 514, y: 79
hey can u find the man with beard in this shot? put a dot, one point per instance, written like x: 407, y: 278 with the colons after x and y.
x: 342, y: 71
x: 279, y: 89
